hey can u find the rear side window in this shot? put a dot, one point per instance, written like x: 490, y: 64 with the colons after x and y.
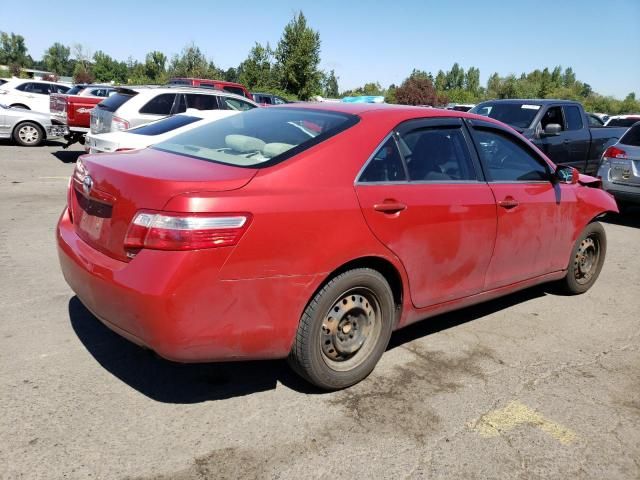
x: 115, y: 101
x: 437, y: 154
x: 573, y: 117
x: 236, y: 90
x: 632, y: 137
x: 165, y: 125
x: 622, y: 122
x: 160, y: 105
x: 594, y: 121
x: 385, y: 165
x: 508, y: 161
x: 202, y: 102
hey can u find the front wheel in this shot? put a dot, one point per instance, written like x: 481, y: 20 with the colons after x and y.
x: 587, y: 258
x: 28, y: 134
x: 344, y: 330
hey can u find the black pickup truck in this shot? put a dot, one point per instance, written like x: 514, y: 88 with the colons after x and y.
x: 560, y: 128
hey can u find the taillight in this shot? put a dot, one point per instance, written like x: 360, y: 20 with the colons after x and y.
x: 123, y: 149
x: 184, y: 231
x: 118, y: 124
x: 614, y: 152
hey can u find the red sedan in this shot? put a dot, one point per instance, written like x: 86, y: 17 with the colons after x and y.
x: 312, y: 232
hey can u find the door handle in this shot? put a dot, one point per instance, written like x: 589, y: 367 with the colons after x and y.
x: 508, y: 203
x: 389, y: 207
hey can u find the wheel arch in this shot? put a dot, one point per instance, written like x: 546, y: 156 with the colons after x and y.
x: 20, y: 105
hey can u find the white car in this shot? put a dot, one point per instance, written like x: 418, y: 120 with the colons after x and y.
x: 622, y: 120
x: 134, y: 106
x: 30, y: 94
x: 154, y: 132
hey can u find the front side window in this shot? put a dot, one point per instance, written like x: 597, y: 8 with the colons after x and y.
x: 551, y: 116
x: 506, y: 160
x: 437, y: 154
x: 574, y: 118
x: 385, y: 165
x: 160, y: 105
x: 255, y: 137
x: 236, y: 104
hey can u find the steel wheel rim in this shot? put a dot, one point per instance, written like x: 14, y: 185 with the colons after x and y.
x: 587, y: 258
x: 350, y: 329
x: 28, y: 134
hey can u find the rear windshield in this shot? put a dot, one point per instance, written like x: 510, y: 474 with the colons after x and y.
x: 515, y: 114
x: 236, y: 90
x: 632, y: 137
x: 165, y: 125
x: 75, y: 89
x: 622, y: 122
x: 115, y: 101
x: 259, y: 137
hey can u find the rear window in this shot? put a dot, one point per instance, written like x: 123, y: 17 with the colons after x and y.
x: 259, y: 137
x: 236, y: 90
x: 165, y: 125
x: 622, y: 122
x: 115, y: 101
x: 515, y: 114
x: 76, y: 89
x: 632, y: 137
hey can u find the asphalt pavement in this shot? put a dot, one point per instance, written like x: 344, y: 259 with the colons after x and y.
x: 533, y: 385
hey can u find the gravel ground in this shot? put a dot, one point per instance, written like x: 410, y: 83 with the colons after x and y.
x: 533, y: 385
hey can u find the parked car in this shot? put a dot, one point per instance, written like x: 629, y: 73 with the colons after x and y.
x: 73, y: 108
x: 255, y: 237
x: 595, y: 120
x: 268, y: 99
x: 622, y: 120
x: 602, y: 116
x: 131, y: 107
x: 28, y: 128
x: 620, y: 168
x: 30, y: 94
x: 460, y: 107
x: 231, y: 87
x: 3, y: 80
x: 154, y: 132
x: 560, y: 128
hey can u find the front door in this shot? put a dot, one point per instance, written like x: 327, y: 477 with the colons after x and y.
x: 432, y: 208
x: 532, y: 209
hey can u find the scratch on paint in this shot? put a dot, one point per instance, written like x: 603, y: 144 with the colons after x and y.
x: 492, y: 424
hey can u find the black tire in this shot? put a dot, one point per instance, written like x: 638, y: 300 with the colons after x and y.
x: 334, y: 353
x: 587, y: 258
x: 19, y: 105
x: 28, y: 134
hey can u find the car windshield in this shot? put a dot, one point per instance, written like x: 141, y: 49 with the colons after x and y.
x: 255, y: 137
x: 517, y: 115
x: 165, y: 125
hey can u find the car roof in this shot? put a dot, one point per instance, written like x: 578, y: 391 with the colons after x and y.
x: 531, y: 101
x: 180, y: 88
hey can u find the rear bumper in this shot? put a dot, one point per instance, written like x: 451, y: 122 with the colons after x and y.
x: 621, y: 191
x: 54, y: 131
x: 175, y: 303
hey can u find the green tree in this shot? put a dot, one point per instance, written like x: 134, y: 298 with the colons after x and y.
x: 56, y: 59
x: 390, y: 94
x: 231, y: 75
x: 331, y: 85
x: 81, y: 74
x: 441, y: 81
x: 106, y: 69
x: 192, y: 63
x: 569, y: 78
x: 454, y: 78
x: 13, y: 50
x: 297, y: 58
x: 155, y: 66
x: 256, y: 70
x: 472, y: 80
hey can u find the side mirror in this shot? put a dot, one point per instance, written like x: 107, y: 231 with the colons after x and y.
x: 567, y: 174
x: 551, y: 130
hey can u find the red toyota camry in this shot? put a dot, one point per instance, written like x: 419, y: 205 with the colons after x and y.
x: 312, y: 232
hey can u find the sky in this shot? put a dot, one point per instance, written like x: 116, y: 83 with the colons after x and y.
x: 362, y: 41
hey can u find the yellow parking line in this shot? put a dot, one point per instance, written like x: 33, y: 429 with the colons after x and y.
x: 515, y: 413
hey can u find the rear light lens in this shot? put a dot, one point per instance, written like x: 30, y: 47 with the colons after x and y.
x: 614, y: 152
x: 184, y: 231
x: 118, y: 124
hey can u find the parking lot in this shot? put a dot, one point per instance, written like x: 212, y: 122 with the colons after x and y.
x: 534, y: 385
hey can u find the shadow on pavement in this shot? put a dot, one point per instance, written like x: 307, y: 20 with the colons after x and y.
x: 630, y: 217
x: 68, y: 156
x: 171, y: 382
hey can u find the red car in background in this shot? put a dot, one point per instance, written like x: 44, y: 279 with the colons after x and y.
x: 256, y: 237
x: 231, y: 87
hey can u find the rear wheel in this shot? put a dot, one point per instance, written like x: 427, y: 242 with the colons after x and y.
x: 344, y: 330
x: 28, y: 134
x: 587, y: 258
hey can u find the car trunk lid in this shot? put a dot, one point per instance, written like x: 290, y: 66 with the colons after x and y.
x: 102, y: 115
x: 626, y: 171
x: 108, y: 189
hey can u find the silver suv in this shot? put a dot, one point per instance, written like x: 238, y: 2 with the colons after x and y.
x: 131, y: 107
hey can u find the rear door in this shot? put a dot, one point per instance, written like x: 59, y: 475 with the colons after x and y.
x: 423, y: 196
x: 533, y: 231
